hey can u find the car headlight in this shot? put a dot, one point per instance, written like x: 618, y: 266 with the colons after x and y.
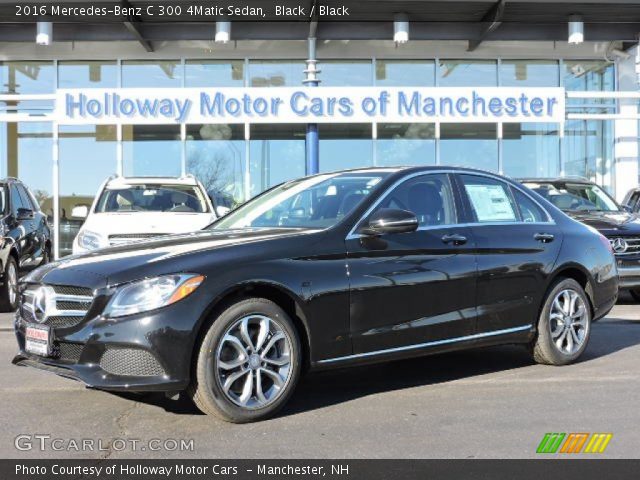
x: 90, y: 240
x: 151, y: 293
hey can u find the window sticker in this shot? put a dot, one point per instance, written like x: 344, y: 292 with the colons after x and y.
x: 491, y: 203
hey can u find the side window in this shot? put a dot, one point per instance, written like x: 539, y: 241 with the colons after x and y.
x: 429, y: 197
x: 26, y: 198
x: 529, y: 211
x: 490, y: 199
x: 633, y: 202
x: 16, y: 200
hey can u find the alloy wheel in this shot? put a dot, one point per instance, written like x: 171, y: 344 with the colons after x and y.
x: 253, y: 361
x: 12, y: 283
x: 568, y: 321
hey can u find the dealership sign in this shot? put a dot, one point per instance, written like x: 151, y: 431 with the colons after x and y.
x: 309, y: 105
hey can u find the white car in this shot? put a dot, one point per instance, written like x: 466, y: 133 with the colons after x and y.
x: 131, y: 209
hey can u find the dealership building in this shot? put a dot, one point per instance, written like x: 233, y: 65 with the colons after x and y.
x: 523, y: 88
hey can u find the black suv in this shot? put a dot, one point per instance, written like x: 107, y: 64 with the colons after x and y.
x: 25, y: 238
x: 588, y: 203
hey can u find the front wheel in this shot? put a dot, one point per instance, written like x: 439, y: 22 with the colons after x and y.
x: 9, y: 288
x: 564, y: 325
x: 248, y: 363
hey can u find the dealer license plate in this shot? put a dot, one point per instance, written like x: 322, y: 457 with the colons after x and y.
x: 38, y: 340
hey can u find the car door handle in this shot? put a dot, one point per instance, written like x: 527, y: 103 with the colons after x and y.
x: 455, y: 239
x: 544, y: 237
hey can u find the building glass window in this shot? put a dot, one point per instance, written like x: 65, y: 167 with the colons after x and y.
x: 529, y: 73
x: 472, y: 145
x: 468, y: 73
x: 87, y: 74
x: 151, y: 150
x: 346, y: 73
x: 405, y: 144
x: 151, y: 73
x: 345, y: 146
x: 27, y: 77
x: 216, y: 157
x: 25, y: 149
x: 405, y: 73
x: 277, y: 154
x: 76, y: 187
x: 589, y: 75
x: 276, y: 73
x: 214, y: 73
x: 531, y: 149
x: 588, y: 150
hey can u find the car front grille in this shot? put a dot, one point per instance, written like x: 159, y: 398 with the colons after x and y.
x: 67, y: 351
x: 56, y: 305
x: 130, y: 362
x: 623, y: 246
x: 122, y: 238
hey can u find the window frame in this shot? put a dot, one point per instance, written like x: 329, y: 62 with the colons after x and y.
x: 457, y: 205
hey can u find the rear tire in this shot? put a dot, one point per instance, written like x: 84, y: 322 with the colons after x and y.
x: 564, y: 325
x: 8, y: 290
x: 248, y: 363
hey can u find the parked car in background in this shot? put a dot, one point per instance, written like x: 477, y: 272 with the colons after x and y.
x: 131, y: 209
x: 24, y: 235
x: 327, y: 271
x: 588, y: 203
x: 631, y: 200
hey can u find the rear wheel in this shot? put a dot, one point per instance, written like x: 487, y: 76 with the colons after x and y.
x: 8, y: 290
x: 248, y: 363
x: 564, y: 325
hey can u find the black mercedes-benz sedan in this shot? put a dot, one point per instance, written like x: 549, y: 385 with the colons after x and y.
x: 327, y: 271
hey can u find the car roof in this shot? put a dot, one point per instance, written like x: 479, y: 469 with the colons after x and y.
x: 126, y: 181
x: 556, y: 180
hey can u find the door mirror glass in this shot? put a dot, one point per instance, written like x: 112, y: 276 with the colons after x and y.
x: 79, y: 211
x: 25, y: 213
x: 390, y: 220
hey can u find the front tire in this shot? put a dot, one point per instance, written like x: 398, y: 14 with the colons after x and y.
x: 8, y: 290
x: 564, y: 325
x: 248, y: 363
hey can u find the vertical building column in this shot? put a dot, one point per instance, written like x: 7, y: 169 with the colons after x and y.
x: 626, y: 130
x: 312, y: 141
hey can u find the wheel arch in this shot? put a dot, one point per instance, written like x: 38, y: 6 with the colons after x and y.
x: 279, y: 294
x: 577, y: 273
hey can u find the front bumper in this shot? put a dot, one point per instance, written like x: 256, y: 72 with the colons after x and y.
x: 629, y: 276
x: 145, y: 352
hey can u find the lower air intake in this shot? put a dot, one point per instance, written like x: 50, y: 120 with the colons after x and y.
x: 130, y: 362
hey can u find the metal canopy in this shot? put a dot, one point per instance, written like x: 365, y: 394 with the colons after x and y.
x: 472, y: 20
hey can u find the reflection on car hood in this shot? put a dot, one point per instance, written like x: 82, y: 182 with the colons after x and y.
x: 621, y: 222
x: 139, y: 259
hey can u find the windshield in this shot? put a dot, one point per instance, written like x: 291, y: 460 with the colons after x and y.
x: 315, y: 202
x: 152, y: 198
x: 576, y: 196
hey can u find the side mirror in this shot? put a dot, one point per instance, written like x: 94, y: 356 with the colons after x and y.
x: 79, y: 211
x: 390, y: 220
x: 25, y: 214
x: 222, y: 211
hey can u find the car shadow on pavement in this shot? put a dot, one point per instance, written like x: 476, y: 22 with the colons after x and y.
x: 323, y: 389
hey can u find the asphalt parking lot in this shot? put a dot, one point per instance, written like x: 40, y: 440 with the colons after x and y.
x: 488, y: 403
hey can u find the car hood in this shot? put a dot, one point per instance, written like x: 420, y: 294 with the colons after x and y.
x: 135, y: 260
x: 621, y: 223
x: 127, y: 223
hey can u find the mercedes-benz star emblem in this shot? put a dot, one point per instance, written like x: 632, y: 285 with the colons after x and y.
x: 619, y: 245
x: 42, y: 303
